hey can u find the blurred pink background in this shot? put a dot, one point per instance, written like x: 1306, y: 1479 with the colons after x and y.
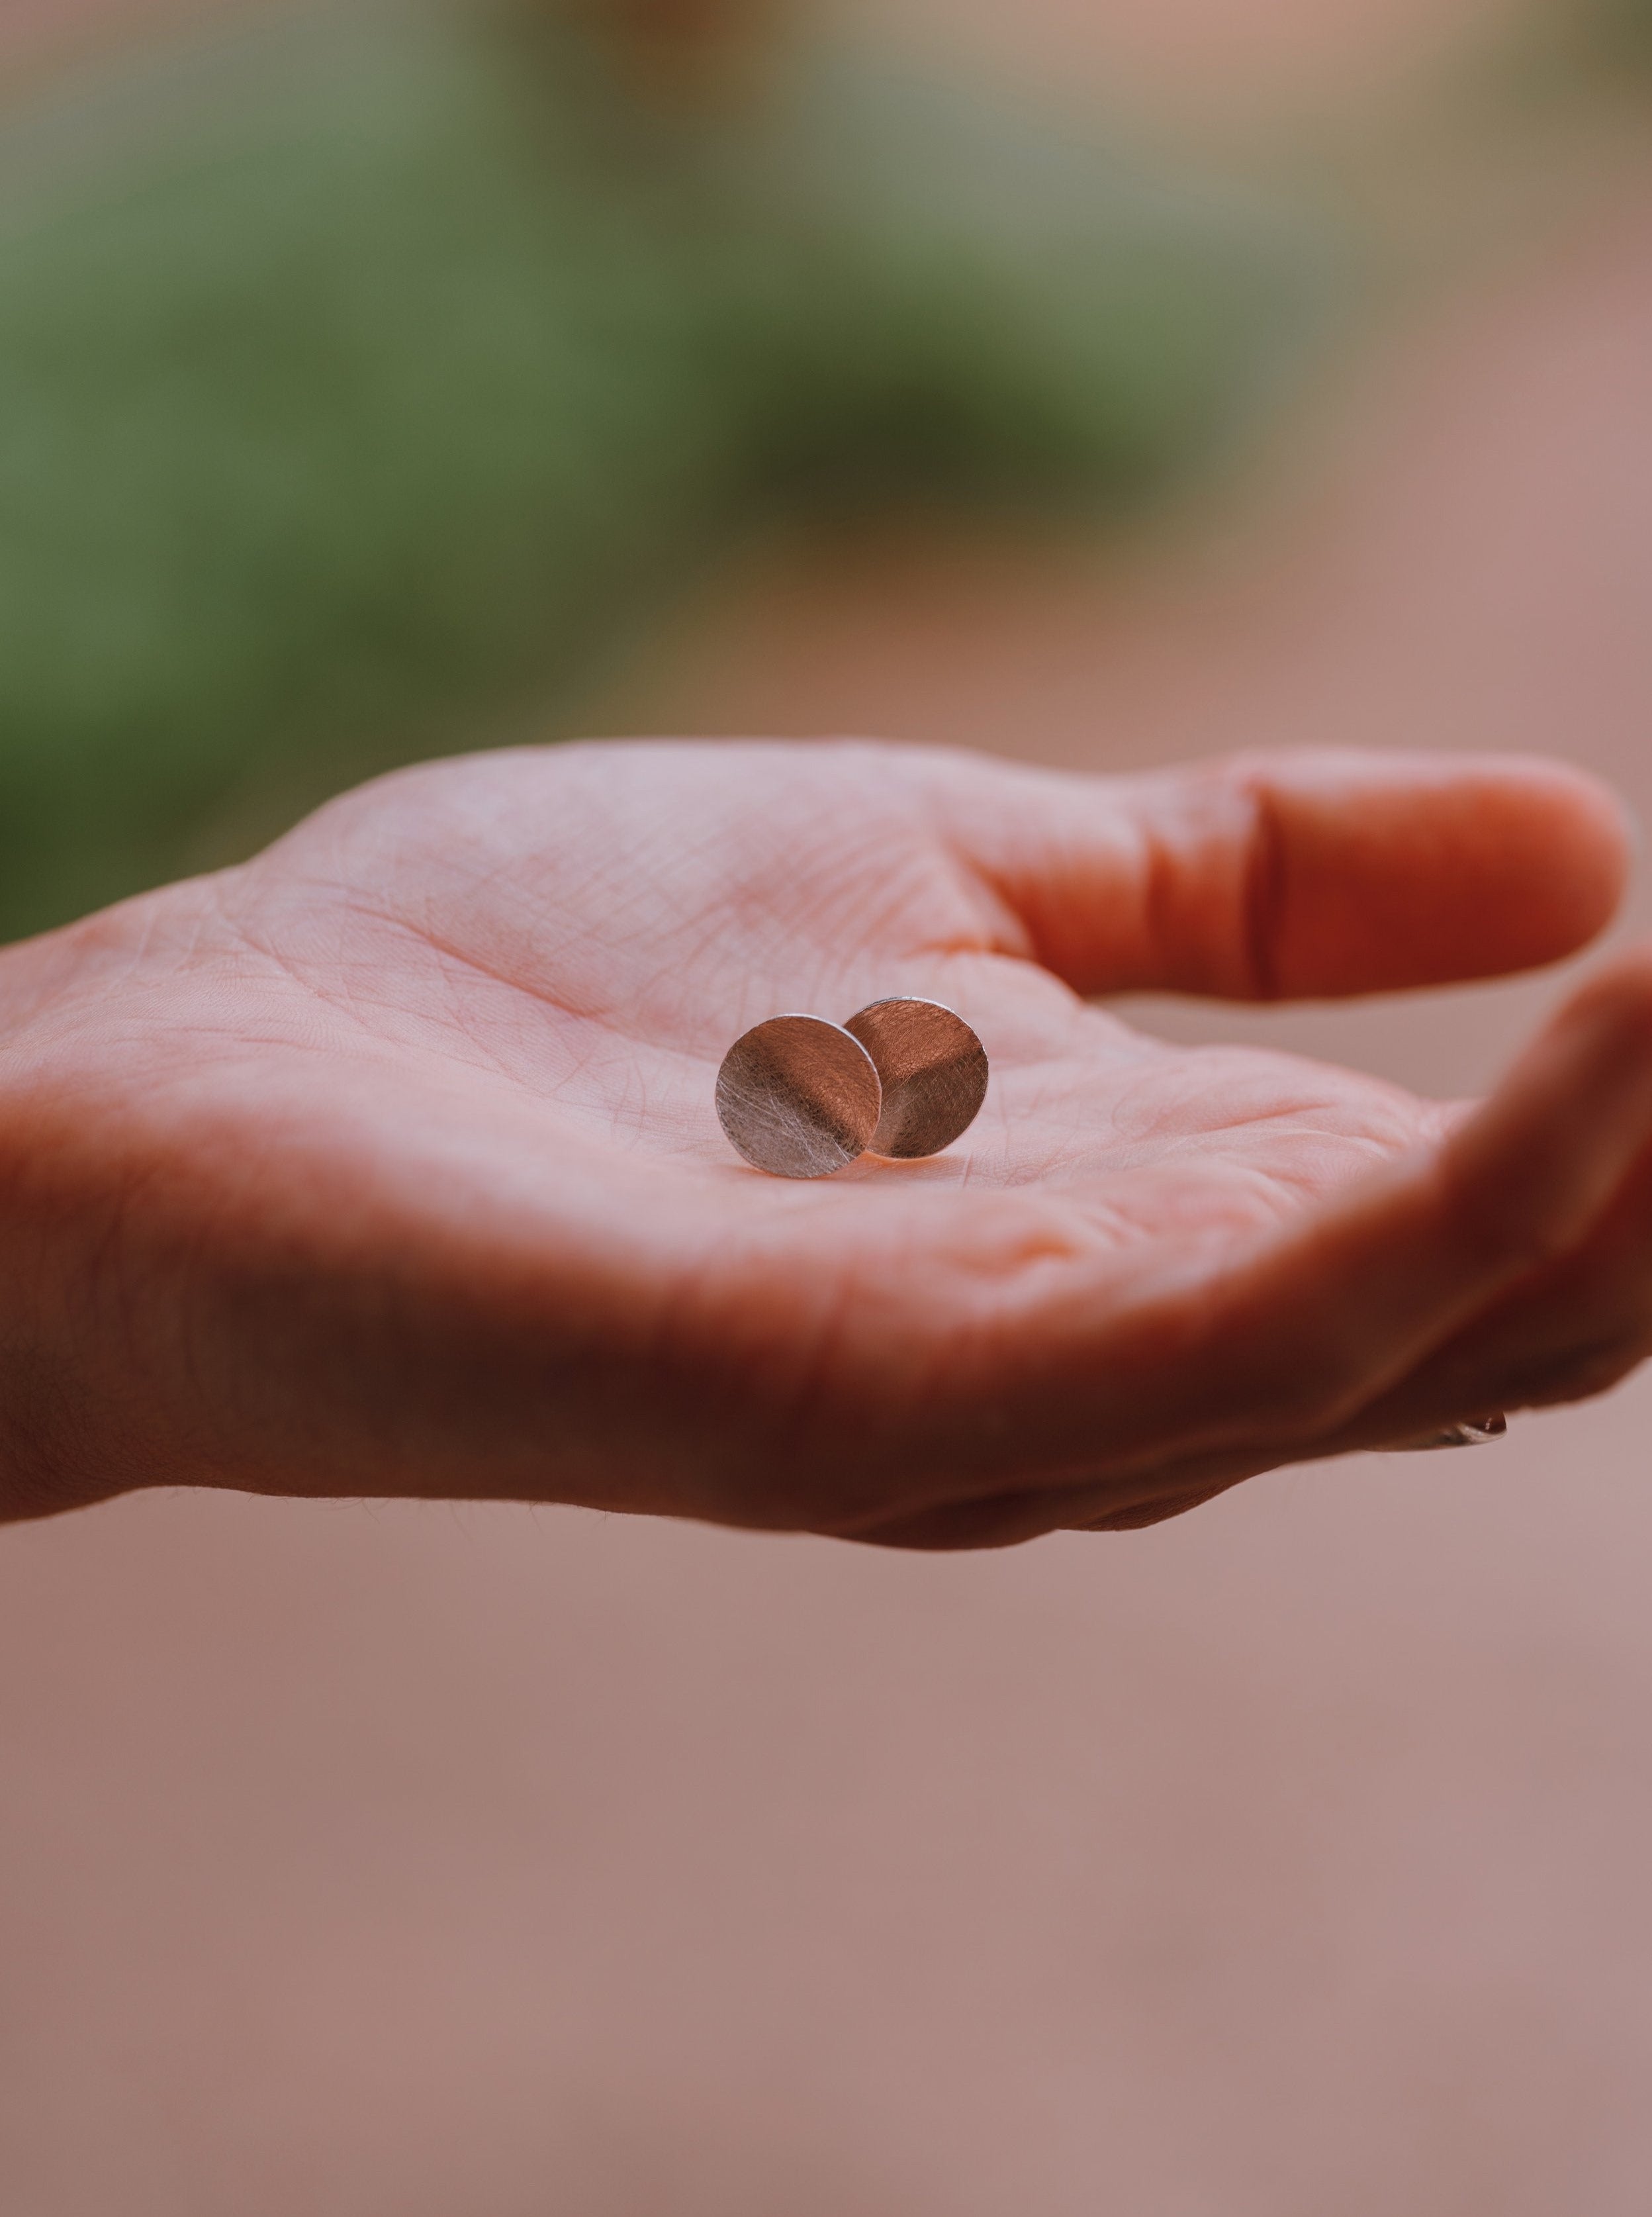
x: 401, y: 1862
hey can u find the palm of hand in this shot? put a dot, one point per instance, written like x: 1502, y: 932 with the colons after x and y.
x: 395, y: 1152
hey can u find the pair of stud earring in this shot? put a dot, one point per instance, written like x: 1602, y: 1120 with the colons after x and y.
x: 800, y: 1097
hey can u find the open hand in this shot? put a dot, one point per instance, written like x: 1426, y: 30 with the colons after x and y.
x: 388, y: 1163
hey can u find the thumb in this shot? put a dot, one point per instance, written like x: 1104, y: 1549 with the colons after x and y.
x: 1273, y: 875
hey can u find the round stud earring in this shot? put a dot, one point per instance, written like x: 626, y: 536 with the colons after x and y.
x: 933, y: 1070
x: 798, y: 1096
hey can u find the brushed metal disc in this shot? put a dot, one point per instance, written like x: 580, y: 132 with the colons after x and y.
x: 933, y: 1071
x: 798, y: 1096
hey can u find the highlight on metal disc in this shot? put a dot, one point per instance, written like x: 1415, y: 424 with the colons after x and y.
x: 933, y: 1071
x: 1454, y: 1435
x: 798, y: 1096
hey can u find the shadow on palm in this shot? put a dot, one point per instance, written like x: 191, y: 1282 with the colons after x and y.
x: 418, y: 1166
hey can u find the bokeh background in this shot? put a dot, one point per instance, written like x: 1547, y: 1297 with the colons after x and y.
x: 1099, y: 384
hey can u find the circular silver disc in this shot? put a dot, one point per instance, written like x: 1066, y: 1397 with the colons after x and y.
x: 798, y: 1096
x: 933, y: 1071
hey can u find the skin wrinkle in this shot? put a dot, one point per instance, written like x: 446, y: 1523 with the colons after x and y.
x: 629, y: 1111
x: 1000, y: 929
x: 915, y: 1388
x: 883, y: 898
x: 1392, y: 1416
x: 917, y: 912
x: 1263, y: 902
x: 1211, y: 1075
x: 1261, y: 1197
x: 1068, y: 1489
x: 1527, y: 1376
x: 457, y: 959
x: 345, y: 1006
x: 506, y: 1291
x: 53, y: 976
x: 1304, y: 1407
x: 585, y: 1050
x: 1156, y: 895
x: 979, y: 1406
x: 1409, y: 1410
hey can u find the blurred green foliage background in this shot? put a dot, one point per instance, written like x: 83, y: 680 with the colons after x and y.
x: 366, y: 374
